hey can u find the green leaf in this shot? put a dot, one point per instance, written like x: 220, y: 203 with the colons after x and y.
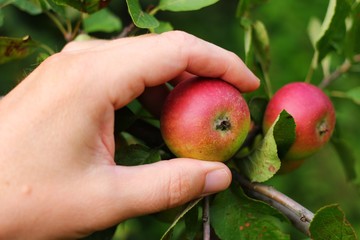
x: 87, y: 6
x: 184, y: 5
x: 3, y: 3
x: 136, y: 154
x: 140, y: 18
x: 1, y: 18
x: 191, y: 205
x: 30, y: 6
x: 193, y: 223
x: 257, y: 106
x: 235, y: 216
x: 352, y: 45
x: 16, y: 48
x: 333, y: 28
x: 284, y: 133
x: 106, y: 234
x: 329, y: 223
x: 261, y: 44
x: 102, y: 21
x: 264, y: 161
x: 345, y: 153
x: 354, y: 95
x: 163, y: 27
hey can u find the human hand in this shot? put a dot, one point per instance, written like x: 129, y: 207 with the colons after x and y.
x: 59, y: 179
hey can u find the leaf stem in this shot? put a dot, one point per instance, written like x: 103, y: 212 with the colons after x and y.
x: 206, y: 218
x: 58, y: 24
x: 299, y: 216
x: 268, y: 84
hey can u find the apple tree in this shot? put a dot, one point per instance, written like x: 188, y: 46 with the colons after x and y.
x: 313, y: 194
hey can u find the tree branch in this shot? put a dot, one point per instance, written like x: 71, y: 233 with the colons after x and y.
x: 206, y: 219
x: 345, y: 67
x: 299, y: 216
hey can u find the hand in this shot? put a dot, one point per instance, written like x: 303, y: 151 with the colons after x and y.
x: 58, y: 177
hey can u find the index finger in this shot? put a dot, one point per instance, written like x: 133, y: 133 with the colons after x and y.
x: 130, y: 66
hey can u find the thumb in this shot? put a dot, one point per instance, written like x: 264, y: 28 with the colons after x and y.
x: 150, y: 188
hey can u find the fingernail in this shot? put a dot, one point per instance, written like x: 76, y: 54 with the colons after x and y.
x: 216, y: 181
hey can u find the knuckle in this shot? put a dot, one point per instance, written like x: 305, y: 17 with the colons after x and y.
x: 179, y: 188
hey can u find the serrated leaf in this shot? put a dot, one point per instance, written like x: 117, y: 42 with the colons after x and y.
x: 140, y: 18
x: 330, y: 223
x: 16, y: 48
x: 264, y: 161
x: 235, y: 216
x: 184, y: 5
x: 190, y: 205
x: 333, y: 28
x: 102, y: 21
x: 136, y: 154
x: 87, y: 6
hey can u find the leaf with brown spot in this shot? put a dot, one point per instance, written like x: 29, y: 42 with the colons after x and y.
x: 16, y: 48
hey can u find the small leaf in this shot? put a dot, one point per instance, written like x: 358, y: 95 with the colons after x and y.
x: 136, y: 154
x: 16, y: 48
x: 330, y: 223
x: 87, y: 6
x: 333, y: 28
x: 191, y: 205
x: 140, y: 18
x: 261, y: 44
x: 184, y: 5
x: 102, y: 21
x: 235, y: 216
x: 264, y: 161
x: 244, y: 6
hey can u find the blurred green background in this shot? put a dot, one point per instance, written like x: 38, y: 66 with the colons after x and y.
x: 321, y: 180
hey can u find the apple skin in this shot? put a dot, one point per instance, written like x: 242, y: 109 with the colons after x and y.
x: 314, y: 117
x: 205, y: 118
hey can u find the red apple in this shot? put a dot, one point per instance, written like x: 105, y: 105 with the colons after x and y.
x: 205, y: 119
x: 314, y: 117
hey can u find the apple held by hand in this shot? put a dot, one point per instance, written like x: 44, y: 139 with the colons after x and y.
x: 313, y: 113
x: 205, y: 119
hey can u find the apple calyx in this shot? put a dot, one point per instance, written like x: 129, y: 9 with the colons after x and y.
x: 323, y: 128
x: 223, y: 124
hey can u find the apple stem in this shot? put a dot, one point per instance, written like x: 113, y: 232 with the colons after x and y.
x: 206, y: 219
x: 299, y: 216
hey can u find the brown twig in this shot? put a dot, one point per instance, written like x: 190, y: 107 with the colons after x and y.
x: 299, y: 216
x: 206, y: 219
x: 343, y: 68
